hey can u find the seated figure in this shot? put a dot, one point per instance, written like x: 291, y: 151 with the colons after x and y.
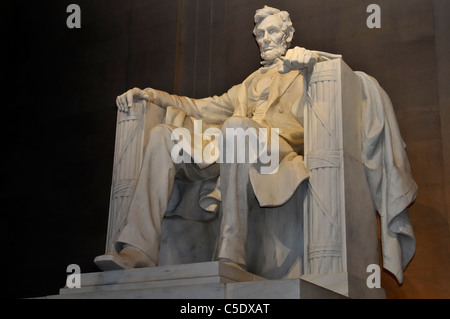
x: 266, y: 99
x: 265, y: 113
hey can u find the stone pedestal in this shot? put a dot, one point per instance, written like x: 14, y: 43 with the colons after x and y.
x: 211, y: 280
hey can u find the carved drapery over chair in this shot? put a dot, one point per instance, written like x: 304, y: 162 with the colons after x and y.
x: 326, y: 233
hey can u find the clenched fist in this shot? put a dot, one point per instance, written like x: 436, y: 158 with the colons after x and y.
x: 297, y: 59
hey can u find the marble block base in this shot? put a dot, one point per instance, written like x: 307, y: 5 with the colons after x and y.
x: 211, y: 280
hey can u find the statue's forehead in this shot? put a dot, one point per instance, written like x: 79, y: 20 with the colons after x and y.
x: 270, y: 21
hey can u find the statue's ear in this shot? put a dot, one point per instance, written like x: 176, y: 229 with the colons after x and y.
x: 289, y: 36
x: 289, y: 31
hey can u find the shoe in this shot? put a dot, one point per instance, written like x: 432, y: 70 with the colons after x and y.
x: 232, y: 263
x: 127, y: 258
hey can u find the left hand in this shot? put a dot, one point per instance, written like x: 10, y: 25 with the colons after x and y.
x: 297, y: 59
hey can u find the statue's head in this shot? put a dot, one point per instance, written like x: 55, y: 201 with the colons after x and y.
x: 273, y: 32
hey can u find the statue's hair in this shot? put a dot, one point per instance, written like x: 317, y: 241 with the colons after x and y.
x: 263, y: 13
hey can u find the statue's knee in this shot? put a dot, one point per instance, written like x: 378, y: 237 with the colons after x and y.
x: 236, y: 122
x: 159, y: 134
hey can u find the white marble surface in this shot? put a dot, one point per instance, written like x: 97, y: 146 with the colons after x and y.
x: 213, y: 280
x: 273, y: 289
x: 162, y: 276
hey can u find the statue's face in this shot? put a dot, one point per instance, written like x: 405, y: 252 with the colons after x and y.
x: 271, y: 38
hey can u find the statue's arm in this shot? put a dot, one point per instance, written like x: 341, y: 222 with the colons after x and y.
x: 214, y: 110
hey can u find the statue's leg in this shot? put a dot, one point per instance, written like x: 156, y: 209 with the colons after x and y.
x: 238, y: 196
x: 235, y: 190
x: 140, y: 236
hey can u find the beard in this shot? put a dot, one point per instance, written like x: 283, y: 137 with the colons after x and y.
x: 272, y: 54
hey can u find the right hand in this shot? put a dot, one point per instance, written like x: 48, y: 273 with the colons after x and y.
x: 297, y: 59
x: 125, y: 101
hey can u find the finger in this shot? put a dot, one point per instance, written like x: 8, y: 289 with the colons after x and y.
x: 296, y: 65
x: 289, y: 54
x: 119, y: 103
x: 285, y: 68
x: 293, y: 54
x: 129, y: 98
x: 122, y: 102
x: 294, y: 59
x: 300, y: 51
x: 307, y: 57
x: 143, y: 95
x: 312, y: 60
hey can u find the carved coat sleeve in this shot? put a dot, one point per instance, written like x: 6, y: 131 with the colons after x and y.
x: 212, y: 110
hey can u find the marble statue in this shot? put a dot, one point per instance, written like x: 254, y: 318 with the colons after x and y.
x: 282, y: 110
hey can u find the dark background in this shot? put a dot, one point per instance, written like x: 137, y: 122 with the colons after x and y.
x: 59, y: 114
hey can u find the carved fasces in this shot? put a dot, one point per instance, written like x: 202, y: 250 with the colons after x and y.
x: 131, y: 133
x: 323, y: 156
